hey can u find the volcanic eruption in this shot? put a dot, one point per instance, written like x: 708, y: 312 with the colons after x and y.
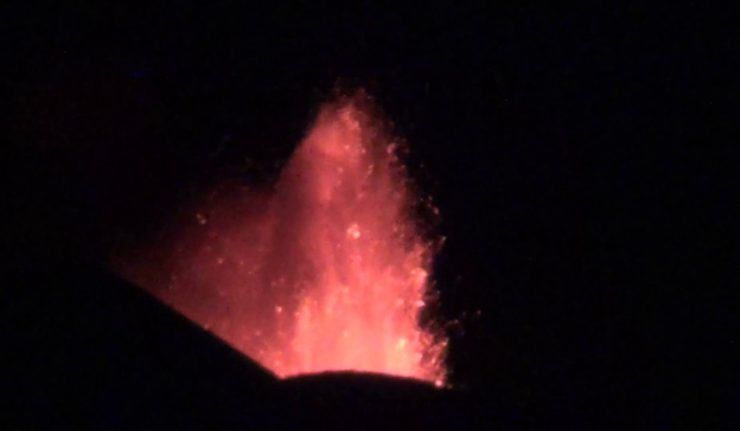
x: 326, y: 270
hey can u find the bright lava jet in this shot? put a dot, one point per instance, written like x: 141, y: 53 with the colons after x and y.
x: 326, y: 271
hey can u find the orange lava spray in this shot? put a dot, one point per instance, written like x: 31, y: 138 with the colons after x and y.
x: 327, y: 271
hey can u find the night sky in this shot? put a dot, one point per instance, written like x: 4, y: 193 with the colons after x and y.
x: 582, y: 160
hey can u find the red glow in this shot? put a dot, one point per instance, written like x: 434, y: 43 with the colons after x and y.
x: 328, y: 271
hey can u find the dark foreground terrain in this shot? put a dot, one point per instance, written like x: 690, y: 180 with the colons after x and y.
x: 98, y: 353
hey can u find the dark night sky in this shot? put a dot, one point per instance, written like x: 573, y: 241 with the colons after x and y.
x: 581, y: 159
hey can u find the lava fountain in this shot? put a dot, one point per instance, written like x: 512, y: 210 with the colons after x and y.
x: 326, y: 271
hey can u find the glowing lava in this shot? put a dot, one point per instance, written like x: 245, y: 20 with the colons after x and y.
x: 327, y: 271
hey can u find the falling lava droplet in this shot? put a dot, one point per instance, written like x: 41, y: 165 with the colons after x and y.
x: 327, y: 271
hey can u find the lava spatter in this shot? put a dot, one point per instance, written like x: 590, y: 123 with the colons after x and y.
x: 325, y: 271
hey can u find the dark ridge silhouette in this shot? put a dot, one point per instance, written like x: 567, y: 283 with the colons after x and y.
x: 89, y: 348
x: 376, y: 401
